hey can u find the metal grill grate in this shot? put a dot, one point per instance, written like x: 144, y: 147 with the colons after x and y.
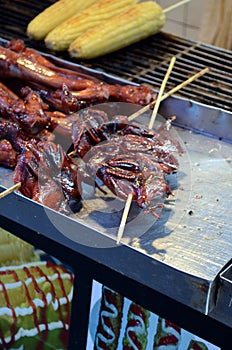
x: 145, y: 62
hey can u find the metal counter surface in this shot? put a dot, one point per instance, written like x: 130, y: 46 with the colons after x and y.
x: 180, y: 255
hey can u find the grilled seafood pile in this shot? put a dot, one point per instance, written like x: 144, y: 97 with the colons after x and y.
x: 44, y: 119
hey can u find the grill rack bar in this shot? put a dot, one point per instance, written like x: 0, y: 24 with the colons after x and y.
x: 145, y: 62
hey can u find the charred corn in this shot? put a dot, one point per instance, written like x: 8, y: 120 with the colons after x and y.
x: 54, y: 15
x: 63, y: 35
x: 137, y: 23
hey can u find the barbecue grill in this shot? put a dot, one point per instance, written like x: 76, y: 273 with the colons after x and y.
x: 182, y: 263
x: 146, y: 62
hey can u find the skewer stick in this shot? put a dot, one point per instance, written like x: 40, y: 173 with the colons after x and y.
x: 10, y: 190
x: 186, y: 82
x: 174, y: 6
x: 161, y: 91
x: 169, y: 93
x: 71, y: 153
x: 129, y: 198
x: 124, y: 217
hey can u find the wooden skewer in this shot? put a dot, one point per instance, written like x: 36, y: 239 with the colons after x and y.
x: 169, y: 93
x: 124, y: 218
x: 71, y: 153
x: 174, y: 6
x: 129, y: 198
x: 10, y: 190
x: 161, y: 91
x: 186, y: 82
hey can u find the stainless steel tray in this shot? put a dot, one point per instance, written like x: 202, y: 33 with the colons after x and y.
x: 180, y: 255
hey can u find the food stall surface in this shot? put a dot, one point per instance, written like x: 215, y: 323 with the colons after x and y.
x: 186, y: 255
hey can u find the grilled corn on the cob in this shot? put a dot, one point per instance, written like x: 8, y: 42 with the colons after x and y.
x: 63, y: 35
x: 139, y: 22
x: 54, y: 15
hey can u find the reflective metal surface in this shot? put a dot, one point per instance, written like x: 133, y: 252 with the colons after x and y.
x: 180, y: 255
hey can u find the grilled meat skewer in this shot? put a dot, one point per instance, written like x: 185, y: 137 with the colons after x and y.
x: 28, y: 113
x: 47, y: 175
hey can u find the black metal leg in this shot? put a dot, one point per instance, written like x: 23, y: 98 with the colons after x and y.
x: 80, y: 310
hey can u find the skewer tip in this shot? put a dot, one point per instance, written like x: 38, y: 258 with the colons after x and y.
x: 10, y: 190
x: 124, y: 218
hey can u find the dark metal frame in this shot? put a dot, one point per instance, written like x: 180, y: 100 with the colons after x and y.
x: 87, y: 268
